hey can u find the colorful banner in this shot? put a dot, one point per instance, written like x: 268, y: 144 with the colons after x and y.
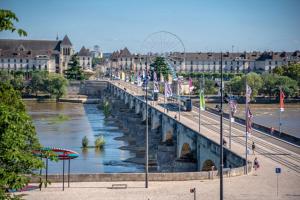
x: 168, y: 90
x: 191, y: 87
x: 248, y: 93
x: 233, y: 106
x: 249, y: 122
x: 201, y: 100
x: 281, y: 101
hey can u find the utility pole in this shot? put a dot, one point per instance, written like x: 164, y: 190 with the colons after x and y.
x: 247, y: 128
x: 221, y: 132
x: 146, y: 156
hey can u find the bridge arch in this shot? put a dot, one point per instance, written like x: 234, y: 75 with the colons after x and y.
x: 169, y: 137
x: 186, y: 151
x: 207, y: 165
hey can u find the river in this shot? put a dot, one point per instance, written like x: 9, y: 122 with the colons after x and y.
x: 268, y: 115
x: 80, y: 120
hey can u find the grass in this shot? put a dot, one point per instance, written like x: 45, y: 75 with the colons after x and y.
x: 58, y: 119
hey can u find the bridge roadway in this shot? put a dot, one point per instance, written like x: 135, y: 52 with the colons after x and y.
x: 275, y: 149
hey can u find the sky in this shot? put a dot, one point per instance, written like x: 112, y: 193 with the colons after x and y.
x: 202, y: 25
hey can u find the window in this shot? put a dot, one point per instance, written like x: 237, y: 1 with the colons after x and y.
x: 15, y: 60
x: 270, y: 62
x: 39, y: 67
x: 8, y: 60
x: 21, y: 60
x: 45, y: 67
x: 27, y: 60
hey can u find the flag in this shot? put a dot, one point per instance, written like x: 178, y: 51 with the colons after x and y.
x: 249, y: 121
x: 154, y: 76
x: 191, y: 87
x: 168, y: 90
x: 233, y: 106
x: 248, y: 93
x: 281, y: 101
x: 201, y: 100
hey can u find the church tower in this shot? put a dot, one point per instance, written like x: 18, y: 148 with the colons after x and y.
x: 66, y: 52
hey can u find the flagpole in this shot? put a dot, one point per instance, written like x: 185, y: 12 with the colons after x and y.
x: 199, y: 105
x: 221, y: 133
x: 279, y: 123
x: 230, y: 116
x: 165, y: 98
x: 246, y: 117
x: 179, y: 99
x: 280, y: 96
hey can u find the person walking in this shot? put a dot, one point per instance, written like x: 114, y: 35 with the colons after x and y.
x: 253, y: 148
x: 255, y: 165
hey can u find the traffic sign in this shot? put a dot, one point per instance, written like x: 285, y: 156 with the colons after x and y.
x: 277, y: 170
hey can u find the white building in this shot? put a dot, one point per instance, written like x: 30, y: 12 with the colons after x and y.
x: 208, y: 62
x: 31, y: 55
x: 85, y: 58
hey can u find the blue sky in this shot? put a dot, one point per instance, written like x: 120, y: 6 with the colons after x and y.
x: 210, y: 25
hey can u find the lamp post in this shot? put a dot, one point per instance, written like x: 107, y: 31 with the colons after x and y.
x: 221, y: 132
x: 146, y: 156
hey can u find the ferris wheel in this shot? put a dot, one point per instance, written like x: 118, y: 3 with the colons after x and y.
x: 167, y: 45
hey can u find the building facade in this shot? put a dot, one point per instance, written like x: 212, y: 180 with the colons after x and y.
x: 244, y: 62
x: 85, y: 58
x: 31, y: 55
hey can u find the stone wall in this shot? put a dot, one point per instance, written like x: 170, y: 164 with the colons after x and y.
x: 107, y: 177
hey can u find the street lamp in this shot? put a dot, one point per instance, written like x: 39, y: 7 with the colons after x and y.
x: 146, y: 152
x: 221, y: 132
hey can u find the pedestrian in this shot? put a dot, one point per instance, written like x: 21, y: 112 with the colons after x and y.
x: 224, y: 142
x: 272, y: 130
x: 253, y: 148
x: 255, y: 164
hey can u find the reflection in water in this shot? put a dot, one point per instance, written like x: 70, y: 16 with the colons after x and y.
x: 268, y: 115
x: 83, y: 120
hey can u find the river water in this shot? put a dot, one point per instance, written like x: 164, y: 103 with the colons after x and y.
x: 268, y: 115
x: 80, y: 120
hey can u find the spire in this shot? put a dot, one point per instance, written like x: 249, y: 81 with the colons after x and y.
x: 57, y: 36
x: 66, y: 41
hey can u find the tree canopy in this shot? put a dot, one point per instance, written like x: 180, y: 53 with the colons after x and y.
x: 7, y: 20
x: 74, y: 72
x: 17, y: 141
x: 160, y: 67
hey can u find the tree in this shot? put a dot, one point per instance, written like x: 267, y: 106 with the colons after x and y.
x: 209, y: 86
x: 57, y: 85
x: 269, y: 83
x: 236, y: 85
x: 5, y: 76
x: 292, y: 71
x: 18, y: 82
x: 7, y: 19
x: 288, y: 85
x: 17, y: 141
x: 161, y: 67
x: 74, y: 72
x: 38, y: 82
x: 254, y: 81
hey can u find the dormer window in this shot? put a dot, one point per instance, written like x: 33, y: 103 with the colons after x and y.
x: 21, y: 48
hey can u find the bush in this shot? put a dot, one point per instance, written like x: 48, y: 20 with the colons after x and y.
x: 100, y: 142
x: 85, y: 142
